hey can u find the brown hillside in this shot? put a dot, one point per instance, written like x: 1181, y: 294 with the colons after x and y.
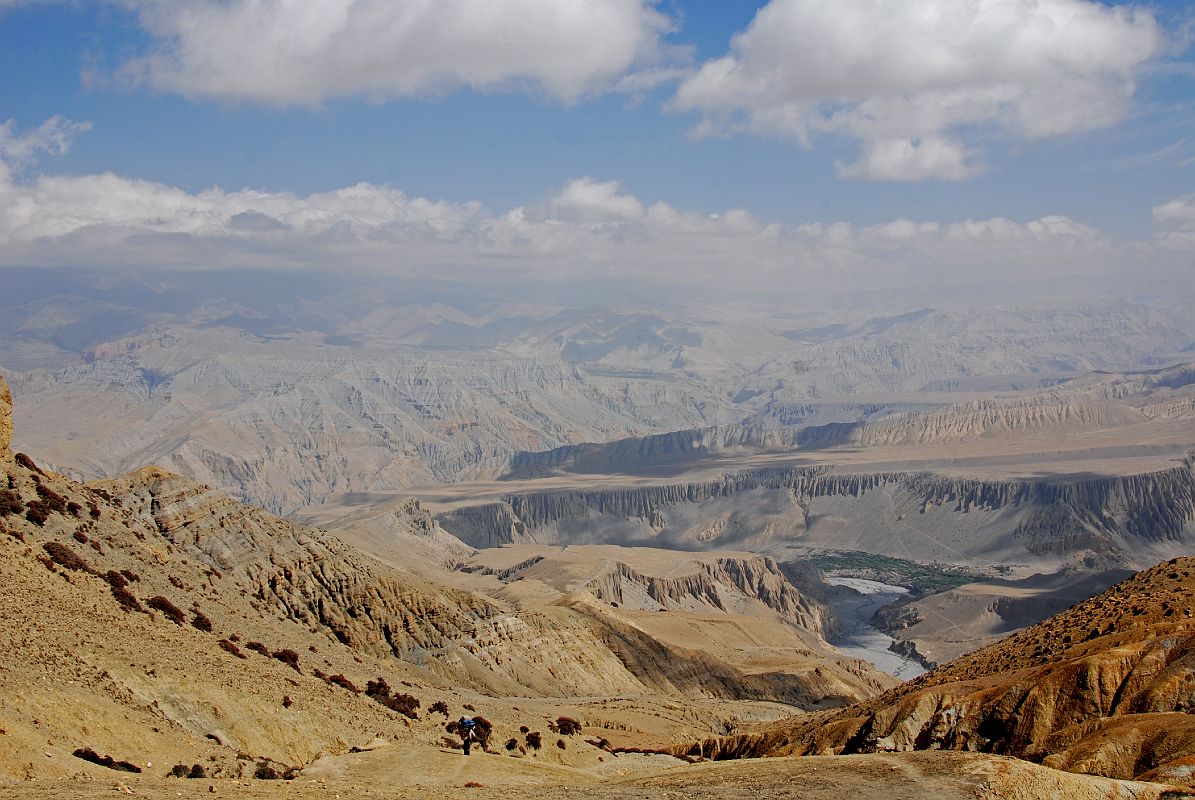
x: 1106, y: 687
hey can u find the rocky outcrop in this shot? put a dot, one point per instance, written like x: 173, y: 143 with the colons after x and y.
x: 5, y: 418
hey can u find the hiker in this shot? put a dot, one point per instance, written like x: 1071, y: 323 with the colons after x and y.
x: 465, y: 729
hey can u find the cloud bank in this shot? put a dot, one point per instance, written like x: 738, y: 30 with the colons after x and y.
x: 922, y: 84
x: 588, y: 229
x: 286, y: 52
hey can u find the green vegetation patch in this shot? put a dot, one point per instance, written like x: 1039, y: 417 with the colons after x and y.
x: 916, y: 577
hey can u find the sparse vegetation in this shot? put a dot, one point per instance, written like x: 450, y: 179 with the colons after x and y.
x: 258, y: 647
x: 404, y: 704
x: 567, y: 726
x: 199, y: 621
x: 291, y: 659
x: 168, y: 609
x: 10, y: 503
x: 229, y: 647
x: 534, y: 740
x: 438, y: 707
x: 87, y: 754
x: 27, y: 462
x: 67, y: 558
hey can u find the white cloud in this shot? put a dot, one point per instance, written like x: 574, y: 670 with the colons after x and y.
x: 1176, y: 223
x: 306, y: 51
x: 588, y: 229
x: 919, y: 83
x: 54, y: 137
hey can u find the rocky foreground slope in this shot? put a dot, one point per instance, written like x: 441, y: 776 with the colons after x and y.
x: 1105, y: 688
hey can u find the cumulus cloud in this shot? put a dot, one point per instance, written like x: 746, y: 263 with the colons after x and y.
x: 54, y: 137
x: 918, y: 83
x: 307, y: 51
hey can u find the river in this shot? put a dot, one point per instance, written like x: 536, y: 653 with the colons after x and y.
x: 857, y: 637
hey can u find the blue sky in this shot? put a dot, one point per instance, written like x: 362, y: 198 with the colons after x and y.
x: 1091, y: 122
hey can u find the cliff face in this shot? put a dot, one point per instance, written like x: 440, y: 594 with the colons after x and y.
x: 1105, y: 688
x: 1060, y: 518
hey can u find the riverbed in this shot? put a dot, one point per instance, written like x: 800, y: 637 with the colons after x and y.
x: 857, y: 637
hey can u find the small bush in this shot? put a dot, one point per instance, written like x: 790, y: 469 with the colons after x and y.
x: 126, y: 599
x: 266, y: 772
x: 343, y: 683
x: 87, y: 754
x: 288, y: 657
x: 404, y: 704
x: 27, y: 462
x: 200, y: 622
x: 534, y: 740
x: 53, y: 500
x: 512, y: 744
x: 258, y: 647
x: 197, y: 771
x: 168, y: 609
x: 80, y: 537
x: 37, y: 512
x: 93, y: 510
x: 229, y: 647
x: 179, y: 771
x: 130, y: 576
x: 567, y: 726
x: 560, y: 743
x: 67, y: 558
x: 286, y: 701
x: 438, y: 707
x: 10, y: 503
x: 523, y: 729
x: 74, y: 509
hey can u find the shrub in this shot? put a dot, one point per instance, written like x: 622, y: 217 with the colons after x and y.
x: 93, y: 510
x: 560, y: 743
x: 37, y: 512
x: 74, y: 509
x: 80, y: 537
x: 10, y: 503
x: 197, y: 771
x: 512, y: 744
x: 67, y: 558
x: 286, y: 701
x: 179, y: 771
x: 168, y: 609
x: 132, y: 577
x: 126, y: 599
x: 523, y: 729
x: 200, y: 622
x: 87, y: 754
x: 229, y: 647
x: 266, y: 772
x: 288, y: 657
x: 534, y: 740
x: 344, y: 683
x: 258, y: 647
x: 567, y: 726
x: 27, y: 462
x: 404, y: 704
x: 438, y: 707
x: 53, y: 500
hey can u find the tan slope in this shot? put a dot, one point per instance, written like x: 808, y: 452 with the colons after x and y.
x: 1104, y: 688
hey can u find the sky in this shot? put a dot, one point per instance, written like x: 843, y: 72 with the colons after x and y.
x: 765, y: 146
